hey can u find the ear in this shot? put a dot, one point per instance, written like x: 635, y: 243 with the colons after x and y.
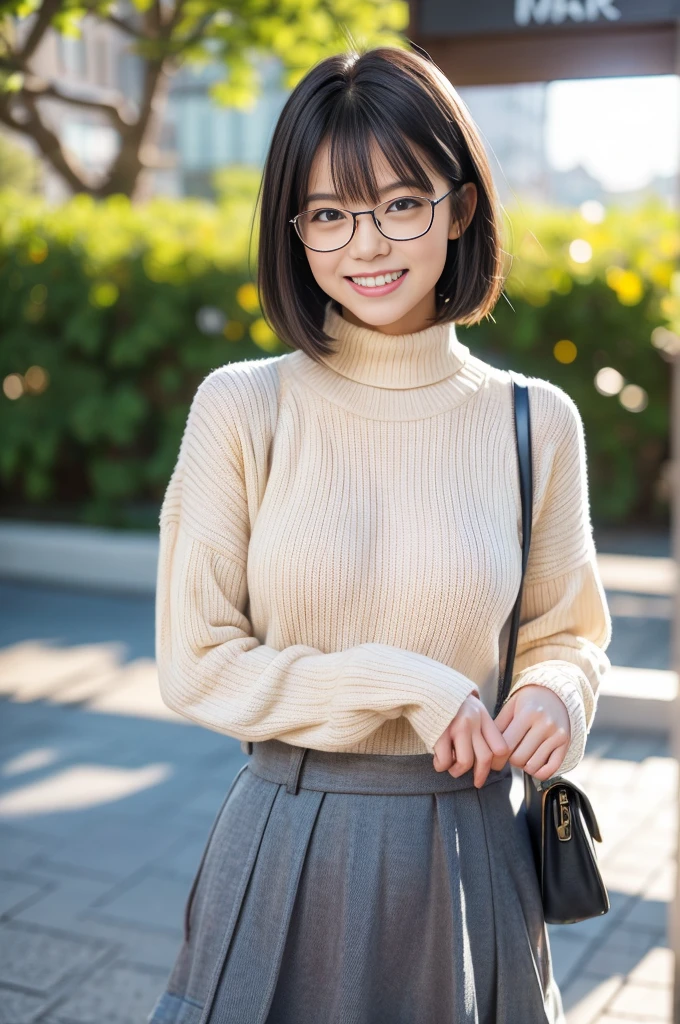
x: 466, y: 203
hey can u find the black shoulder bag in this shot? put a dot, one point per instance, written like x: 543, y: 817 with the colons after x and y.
x: 561, y: 820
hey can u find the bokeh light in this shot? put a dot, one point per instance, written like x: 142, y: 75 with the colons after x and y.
x: 609, y: 381
x: 593, y: 211
x: 262, y: 335
x: 565, y: 351
x: 103, y: 294
x: 668, y: 342
x: 36, y: 379
x: 13, y: 386
x: 210, y: 320
x: 234, y: 330
x: 246, y: 296
x: 581, y: 251
x: 633, y: 398
x: 626, y: 283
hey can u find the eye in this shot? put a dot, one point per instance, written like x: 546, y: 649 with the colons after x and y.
x: 403, y: 199
x: 318, y: 215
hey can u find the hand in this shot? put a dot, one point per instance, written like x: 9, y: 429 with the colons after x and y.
x: 534, y: 723
x: 472, y: 738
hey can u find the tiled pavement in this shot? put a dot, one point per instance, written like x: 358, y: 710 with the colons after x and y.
x: 106, y: 798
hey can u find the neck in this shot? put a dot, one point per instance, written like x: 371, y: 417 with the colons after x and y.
x: 369, y: 356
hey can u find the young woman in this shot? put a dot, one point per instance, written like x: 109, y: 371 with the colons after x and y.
x: 340, y: 555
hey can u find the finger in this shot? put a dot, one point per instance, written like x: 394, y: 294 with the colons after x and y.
x: 483, y: 758
x: 500, y: 749
x: 505, y: 716
x: 443, y: 753
x: 551, y: 766
x: 494, y: 737
x: 517, y: 730
x: 540, y: 757
x: 463, y: 752
x: 528, y: 746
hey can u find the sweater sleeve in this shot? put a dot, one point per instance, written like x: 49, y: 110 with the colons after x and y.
x: 565, y: 624
x: 211, y: 667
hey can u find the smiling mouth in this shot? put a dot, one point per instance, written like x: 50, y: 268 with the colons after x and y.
x: 376, y: 280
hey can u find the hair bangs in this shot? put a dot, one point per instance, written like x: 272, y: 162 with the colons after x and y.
x: 351, y: 143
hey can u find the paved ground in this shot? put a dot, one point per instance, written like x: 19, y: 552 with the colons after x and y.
x: 106, y: 798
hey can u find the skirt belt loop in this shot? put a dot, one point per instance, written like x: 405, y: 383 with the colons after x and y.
x: 297, y: 755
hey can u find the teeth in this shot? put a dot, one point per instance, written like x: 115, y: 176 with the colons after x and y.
x: 375, y: 282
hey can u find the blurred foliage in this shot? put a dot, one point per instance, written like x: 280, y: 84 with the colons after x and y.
x: 111, y: 314
x: 18, y: 169
x: 162, y: 38
x: 565, y: 320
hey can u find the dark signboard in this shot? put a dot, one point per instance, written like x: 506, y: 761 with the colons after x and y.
x: 479, y: 17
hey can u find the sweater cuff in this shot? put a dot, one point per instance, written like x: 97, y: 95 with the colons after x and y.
x: 447, y: 690
x: 560, y: 679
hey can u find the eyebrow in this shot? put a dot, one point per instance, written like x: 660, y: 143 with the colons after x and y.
x: 387, y: 188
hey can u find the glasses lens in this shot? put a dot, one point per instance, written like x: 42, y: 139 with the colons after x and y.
x: 404, y: 218
x: 398, y: 219
x: 325, y: 228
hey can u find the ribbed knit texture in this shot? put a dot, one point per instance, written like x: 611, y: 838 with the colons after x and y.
x: 340, y: 547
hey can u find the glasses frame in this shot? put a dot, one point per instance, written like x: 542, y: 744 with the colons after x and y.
x: 359, y: 213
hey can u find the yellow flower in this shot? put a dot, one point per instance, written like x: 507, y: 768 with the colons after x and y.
x: 626, y: 283
x: 233, y: 330
x: 565, y: 351
x: 263, y: 336
x: 246, y: 296
x: 37, y: 250
x: 103, y: 293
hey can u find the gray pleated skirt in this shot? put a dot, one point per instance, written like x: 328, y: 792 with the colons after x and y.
x: 343, y: 888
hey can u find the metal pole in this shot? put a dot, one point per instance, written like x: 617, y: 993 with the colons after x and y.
x: 674, y: 910
x: 674, y: 915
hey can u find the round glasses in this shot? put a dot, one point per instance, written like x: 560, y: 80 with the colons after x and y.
x: 400, y: 220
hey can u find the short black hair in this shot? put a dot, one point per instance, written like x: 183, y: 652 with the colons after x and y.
x: 393, y: 97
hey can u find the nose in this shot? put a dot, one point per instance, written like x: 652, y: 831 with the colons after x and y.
x: 367, y: 239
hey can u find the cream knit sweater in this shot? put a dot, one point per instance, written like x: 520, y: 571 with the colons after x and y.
x: 340, y: 547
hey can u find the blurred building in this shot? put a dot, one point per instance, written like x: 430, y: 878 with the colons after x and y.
x: 198, y: 136
x: 511, y: 120
x: 208, y: 136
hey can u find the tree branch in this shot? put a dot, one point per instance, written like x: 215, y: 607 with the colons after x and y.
x: 113, y: 19
x: 124, y: 26
x: 152, y: 79
x: 7, y: 119
x: 197, y: 33
x: 5, y: 41
x: 139, y: 139
x: 155, y: 28
x: 9, y: 64
x: 42, y: 22
x: 174, y: 19
x: 47, y: 142
x: 115, y: 112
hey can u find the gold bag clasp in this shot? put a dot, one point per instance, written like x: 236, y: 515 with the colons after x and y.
x: 564, y: 824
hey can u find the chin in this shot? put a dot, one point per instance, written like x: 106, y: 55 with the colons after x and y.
x: 372, y: 316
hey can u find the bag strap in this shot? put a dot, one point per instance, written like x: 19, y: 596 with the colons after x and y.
x: 522, y: 417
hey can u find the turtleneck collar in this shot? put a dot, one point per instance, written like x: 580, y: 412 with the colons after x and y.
x: 396, y: 361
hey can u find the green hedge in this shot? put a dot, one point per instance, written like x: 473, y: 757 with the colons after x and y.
x: 110, y: 315
x: 565, y: 321
x: 101, y: 302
